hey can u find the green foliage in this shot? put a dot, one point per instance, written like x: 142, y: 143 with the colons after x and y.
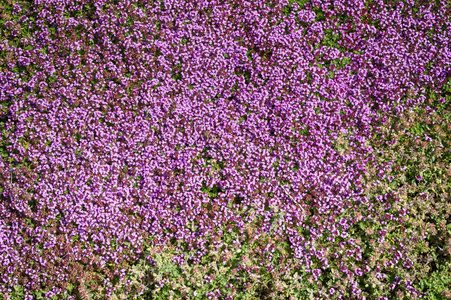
x: 331, y: 39
x: 237, y: 271
x: 420, y: 148
x: 177, y: 76
x: 211, y: 191
x: 342, y: 144
x: 438, y: 284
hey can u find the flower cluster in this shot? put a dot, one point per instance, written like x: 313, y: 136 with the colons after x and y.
x: 132, y: 124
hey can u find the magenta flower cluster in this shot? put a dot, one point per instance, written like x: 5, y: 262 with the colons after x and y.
x: 135, y: 122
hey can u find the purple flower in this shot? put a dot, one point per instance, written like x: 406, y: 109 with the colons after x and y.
x: 220, y: 117
x: 316, y: 273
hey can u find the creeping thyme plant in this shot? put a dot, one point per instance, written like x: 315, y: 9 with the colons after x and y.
x: 225, y: 149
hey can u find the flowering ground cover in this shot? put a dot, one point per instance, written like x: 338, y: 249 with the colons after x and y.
x: 225, y: 149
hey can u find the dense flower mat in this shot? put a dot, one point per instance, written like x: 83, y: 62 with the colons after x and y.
x: 225, y: 149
